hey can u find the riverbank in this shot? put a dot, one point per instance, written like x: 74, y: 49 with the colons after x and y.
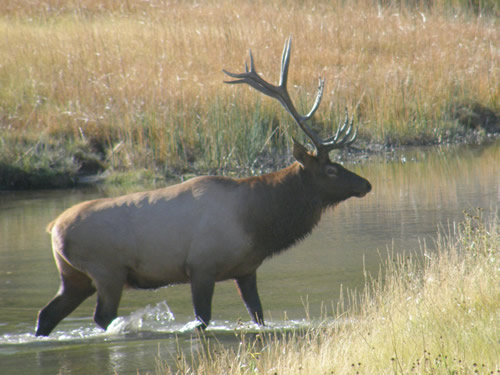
x: 135, y: 92
x: 433, y: 313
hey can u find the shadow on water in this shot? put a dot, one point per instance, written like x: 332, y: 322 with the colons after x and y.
x: 415, y: 192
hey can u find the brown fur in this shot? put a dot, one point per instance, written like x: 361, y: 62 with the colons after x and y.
x: 280, y: 209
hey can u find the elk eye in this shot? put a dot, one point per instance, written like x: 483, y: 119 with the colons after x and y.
x: 331, y: 171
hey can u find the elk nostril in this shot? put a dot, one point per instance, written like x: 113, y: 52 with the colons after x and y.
x: 364, y: 188
x: 368, y: 187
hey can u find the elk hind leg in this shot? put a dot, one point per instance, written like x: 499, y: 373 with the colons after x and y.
x: 109, y: 292
x: 75, y: 288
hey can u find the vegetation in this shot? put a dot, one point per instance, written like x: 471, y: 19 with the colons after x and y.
x: 432, y: 314
x: 105, y: 86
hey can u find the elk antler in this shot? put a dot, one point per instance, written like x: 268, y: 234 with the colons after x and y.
x: 342, y: 137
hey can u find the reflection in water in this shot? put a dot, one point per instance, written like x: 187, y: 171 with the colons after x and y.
x: 413, y: 194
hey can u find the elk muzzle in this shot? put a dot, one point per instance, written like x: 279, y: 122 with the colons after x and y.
x: 363, y: 188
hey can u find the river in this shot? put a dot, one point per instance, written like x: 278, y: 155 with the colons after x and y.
x: 415, y: 192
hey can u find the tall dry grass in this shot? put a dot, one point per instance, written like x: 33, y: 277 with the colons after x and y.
x: 139, y: 84
x: 432, y: 314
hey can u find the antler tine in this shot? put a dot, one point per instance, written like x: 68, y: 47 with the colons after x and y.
x: 317, y: 102
x: 345, y: 141
x: 344, y: 132
x: 340, y: 130
x: 285, y: 62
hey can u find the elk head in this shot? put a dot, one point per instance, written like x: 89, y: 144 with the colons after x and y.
x: 333, y: 182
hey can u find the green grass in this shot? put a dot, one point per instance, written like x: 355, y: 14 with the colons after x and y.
x: 139, y: 85
x: 432, y: 313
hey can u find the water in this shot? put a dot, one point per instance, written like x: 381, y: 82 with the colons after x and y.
x: 415, y: 192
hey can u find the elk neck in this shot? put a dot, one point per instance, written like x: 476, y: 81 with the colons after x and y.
x: 280, y: 208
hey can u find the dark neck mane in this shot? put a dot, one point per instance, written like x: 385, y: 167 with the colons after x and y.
x: 282, y: 208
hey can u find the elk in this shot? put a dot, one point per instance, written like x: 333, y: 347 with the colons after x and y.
x: 201, y: 231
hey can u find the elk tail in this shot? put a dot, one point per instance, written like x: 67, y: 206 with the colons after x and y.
x: 50, y: 226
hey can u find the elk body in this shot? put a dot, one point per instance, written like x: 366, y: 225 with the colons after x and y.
x: 201, y: 231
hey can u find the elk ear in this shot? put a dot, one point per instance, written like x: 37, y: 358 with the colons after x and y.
x: 301, y: 154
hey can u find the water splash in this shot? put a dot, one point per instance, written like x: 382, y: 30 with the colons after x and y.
x: 217, y: 326
x: 148, y: 318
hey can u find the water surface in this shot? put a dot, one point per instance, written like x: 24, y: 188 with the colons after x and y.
x: 414, y: 193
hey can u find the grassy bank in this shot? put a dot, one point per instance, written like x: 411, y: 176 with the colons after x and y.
x: 97, y: 86
x: 435, y: 314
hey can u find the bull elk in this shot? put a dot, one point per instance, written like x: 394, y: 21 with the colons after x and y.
x: 204, y: 230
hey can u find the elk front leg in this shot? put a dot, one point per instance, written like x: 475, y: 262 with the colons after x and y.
x: 202, y: 290
x: 247, y: 287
